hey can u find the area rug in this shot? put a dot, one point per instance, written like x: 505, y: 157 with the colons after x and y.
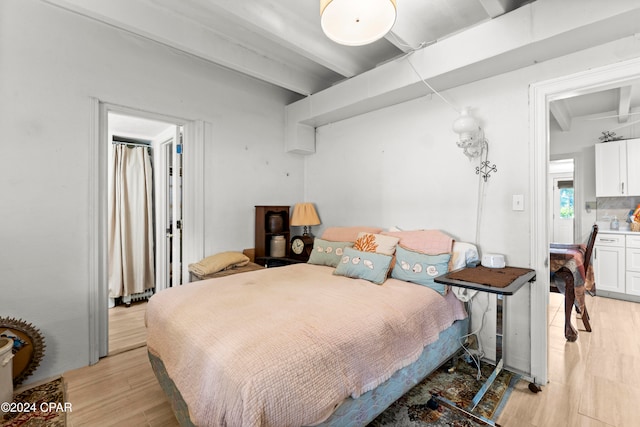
x: 41, y: 405
x: 460, y: 387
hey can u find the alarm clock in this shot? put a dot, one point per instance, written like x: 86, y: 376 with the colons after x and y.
x: 301, y: 247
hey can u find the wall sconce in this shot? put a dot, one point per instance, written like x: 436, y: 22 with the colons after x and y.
x: 471, y: 138
x: 357, y: 22
x: 304, y: 214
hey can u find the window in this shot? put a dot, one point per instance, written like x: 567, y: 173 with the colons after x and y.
x: 566, y: 199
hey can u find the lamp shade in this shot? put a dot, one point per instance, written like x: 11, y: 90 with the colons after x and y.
x: 357, y: 22
x: 304, y: 214
x: 466, y: 123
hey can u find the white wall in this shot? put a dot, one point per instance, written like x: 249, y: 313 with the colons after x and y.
x: 400, y: 166
x: 51, y: 63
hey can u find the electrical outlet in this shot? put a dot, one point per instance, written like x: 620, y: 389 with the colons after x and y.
x: 518, y: 202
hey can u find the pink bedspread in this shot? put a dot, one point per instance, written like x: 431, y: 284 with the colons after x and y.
x: 285, y: 346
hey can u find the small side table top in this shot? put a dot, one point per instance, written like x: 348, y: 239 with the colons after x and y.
x: 504, y: 281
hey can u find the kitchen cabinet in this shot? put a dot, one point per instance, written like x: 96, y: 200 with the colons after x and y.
x: 617, y: 172
x: 609, y: 262
x: 616, y: 263
x: 633, y: 265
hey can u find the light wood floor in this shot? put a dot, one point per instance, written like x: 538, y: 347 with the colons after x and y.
x: 126, y: 327
x: 594, y: 382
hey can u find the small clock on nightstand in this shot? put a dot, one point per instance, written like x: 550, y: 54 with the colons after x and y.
x: 301, y: 247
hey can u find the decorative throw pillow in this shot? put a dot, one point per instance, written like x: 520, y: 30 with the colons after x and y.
x: 420, y: 268
x: 218, y: 262
x: 432, y: 242
x: 364, y: 265
x: 327, y: 253
x: 369, y: 242
x: 347, y: 234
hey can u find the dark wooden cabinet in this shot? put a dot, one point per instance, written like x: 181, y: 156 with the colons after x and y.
x: 271, y: 221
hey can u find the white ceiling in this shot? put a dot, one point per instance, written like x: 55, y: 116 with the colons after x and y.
x: 135, y: 127
x: 280, y: 41
x: 619, y: 101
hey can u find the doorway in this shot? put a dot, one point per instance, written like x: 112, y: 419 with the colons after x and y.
x: 145, y: 213
x: 541, y: 95
x: 562, y: 203
x: 195, y: 134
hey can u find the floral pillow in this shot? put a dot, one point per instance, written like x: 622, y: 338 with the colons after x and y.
x: 369, y: 242
x: 364, y: 265
x: 327, y: 253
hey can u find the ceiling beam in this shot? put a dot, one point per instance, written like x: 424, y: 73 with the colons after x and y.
x: 560, y: 111
x: 165, y: 27
x: 278, y: 23
x: 624, y: 103
x: 534, y: 33
x: 496, y: 8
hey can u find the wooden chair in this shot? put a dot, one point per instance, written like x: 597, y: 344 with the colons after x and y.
x: 570, y: 298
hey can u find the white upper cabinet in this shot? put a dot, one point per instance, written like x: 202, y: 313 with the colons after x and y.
x: 617, y: 168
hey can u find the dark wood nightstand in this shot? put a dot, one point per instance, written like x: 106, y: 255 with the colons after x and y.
x: 270, y: 261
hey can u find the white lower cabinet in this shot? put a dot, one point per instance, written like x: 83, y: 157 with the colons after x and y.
x: 616, y: 263
x: 633, y: 265
x: 608, y: 262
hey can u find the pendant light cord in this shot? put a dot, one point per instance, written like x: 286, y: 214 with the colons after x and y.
x: 457, y: 110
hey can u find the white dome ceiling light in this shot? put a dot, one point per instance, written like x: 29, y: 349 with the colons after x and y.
x: 357, y: 22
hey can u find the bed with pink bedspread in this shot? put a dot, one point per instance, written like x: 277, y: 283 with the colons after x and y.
x: 296, y: 345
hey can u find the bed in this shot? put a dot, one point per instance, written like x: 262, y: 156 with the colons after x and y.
x: 299, y: 345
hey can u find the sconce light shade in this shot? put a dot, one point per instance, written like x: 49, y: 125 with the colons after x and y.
x: 357, y: 22
x: 304, y: 214
x: 470, y: 134
x: 466, y: 126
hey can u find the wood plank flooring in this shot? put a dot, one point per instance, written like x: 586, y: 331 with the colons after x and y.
x: 126, y: 327
x: 593, y: 382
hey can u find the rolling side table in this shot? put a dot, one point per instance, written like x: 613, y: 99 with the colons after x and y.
x: 502, y: 282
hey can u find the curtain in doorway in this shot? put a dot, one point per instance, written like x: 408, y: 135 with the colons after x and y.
x: 131, y: 253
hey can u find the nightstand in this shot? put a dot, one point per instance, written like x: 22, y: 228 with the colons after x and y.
x: 270, y: 261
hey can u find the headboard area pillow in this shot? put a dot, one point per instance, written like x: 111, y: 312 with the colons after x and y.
x: 379, y: 243
x: 370, y: 266
x: 420, y: 268
x: 347, y: 234
x: 326, y: 252
x: 463, y: 252
x: 432, y: 242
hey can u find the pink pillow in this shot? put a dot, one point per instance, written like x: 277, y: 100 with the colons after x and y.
x: 431, y: 242
x: 347, y: 234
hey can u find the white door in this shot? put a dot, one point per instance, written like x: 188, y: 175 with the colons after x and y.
x: 563, y: 210
x: 168, y: 187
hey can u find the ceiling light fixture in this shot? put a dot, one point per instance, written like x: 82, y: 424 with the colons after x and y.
x: 357, y: 22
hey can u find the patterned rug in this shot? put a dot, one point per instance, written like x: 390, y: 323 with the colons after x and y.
x: 460, y: 387
x: 42, y: 405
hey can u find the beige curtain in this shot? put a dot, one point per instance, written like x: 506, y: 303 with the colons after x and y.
x: 130, y: 222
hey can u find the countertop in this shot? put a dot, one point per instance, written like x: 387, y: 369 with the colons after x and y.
x: 621, y: 231
x: 604, y: 227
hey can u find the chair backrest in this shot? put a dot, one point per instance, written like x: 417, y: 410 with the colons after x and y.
x: 589, y: 248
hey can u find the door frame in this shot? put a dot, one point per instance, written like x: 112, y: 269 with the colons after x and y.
x: 540, y: 95
x: 196, y: 134
x: 162, y: 144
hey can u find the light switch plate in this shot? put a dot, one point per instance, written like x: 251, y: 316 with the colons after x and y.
x: 518, y: 202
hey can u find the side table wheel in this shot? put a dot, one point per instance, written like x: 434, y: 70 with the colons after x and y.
x: 534, y: 388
